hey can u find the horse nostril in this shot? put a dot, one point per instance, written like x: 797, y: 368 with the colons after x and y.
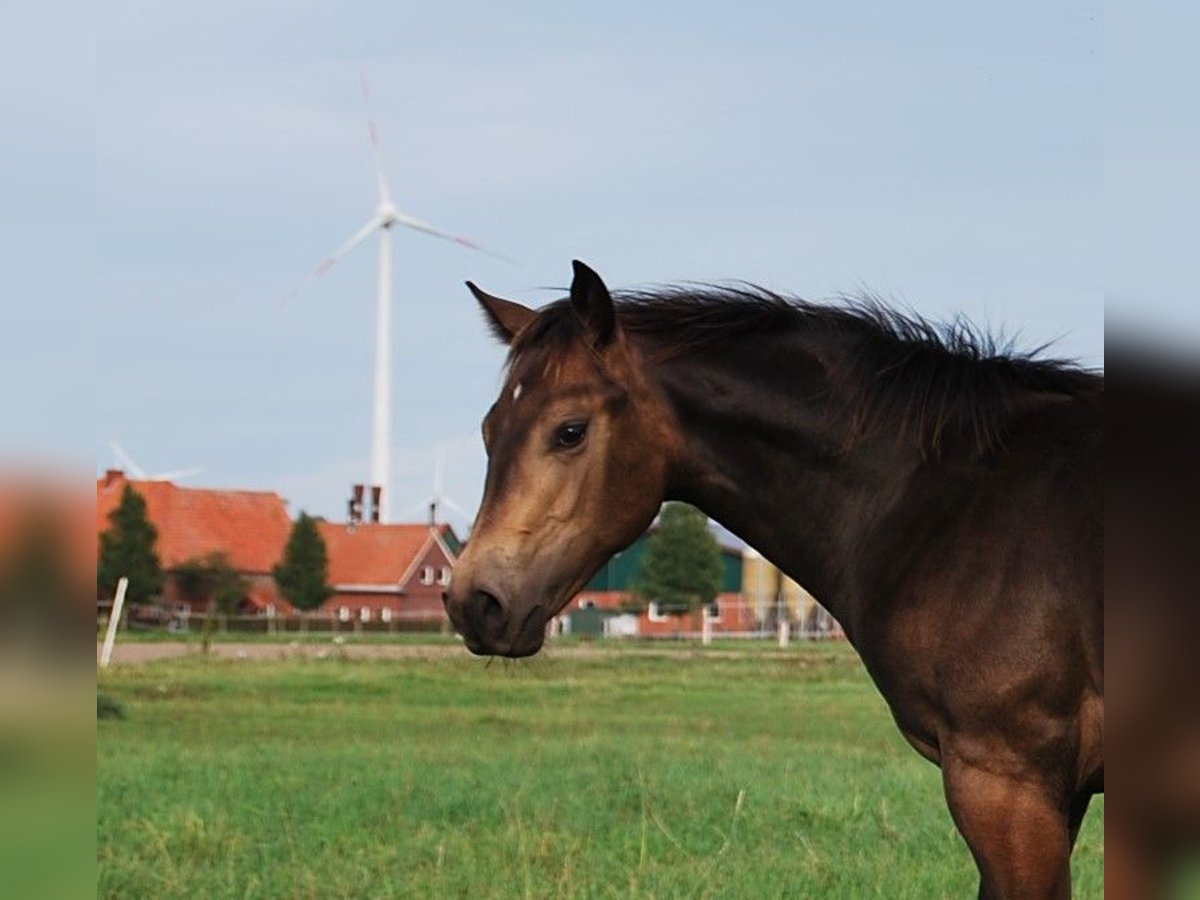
x: 490, y: 612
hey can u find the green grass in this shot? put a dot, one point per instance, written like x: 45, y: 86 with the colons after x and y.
x: 624, y: 775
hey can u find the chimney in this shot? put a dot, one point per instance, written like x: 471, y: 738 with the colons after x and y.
x: 376, y: 494
x: 354, y: 513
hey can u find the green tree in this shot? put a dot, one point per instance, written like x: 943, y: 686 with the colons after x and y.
x: 127, y: 548
x: 682, y: 570
x: 303, y: 573
x: 212, y: 582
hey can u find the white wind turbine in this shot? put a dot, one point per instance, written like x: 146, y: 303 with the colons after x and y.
x: 386, y: 216
x: 438, y: 498
x: 140, y: 474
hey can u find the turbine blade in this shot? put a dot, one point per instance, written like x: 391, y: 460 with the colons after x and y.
x: 450, y: 504
x: 422, y: 508
x: 418, y: 225
x: 334, y: 258
x: 127, y: 461
x: 177, y: 474
x: 381, y: 181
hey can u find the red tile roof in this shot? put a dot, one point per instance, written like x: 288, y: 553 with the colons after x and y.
x: 250, y: 526
x: 372, y: 553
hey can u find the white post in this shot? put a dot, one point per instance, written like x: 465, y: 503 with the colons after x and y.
x: 381, y: 430
x: 114, y: 618
x: 784, y: 631
x: 705, y: 626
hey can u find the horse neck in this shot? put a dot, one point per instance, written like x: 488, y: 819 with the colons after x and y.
x: 765, y: 438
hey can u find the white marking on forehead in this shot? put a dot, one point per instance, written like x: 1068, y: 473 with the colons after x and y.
x: 516, y: 394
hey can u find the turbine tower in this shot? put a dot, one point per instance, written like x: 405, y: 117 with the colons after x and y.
x: 386, y: 216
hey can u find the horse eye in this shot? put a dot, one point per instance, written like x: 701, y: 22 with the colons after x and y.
x: 569, y: 435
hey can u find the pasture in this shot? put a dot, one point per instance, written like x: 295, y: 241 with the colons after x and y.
x: 618, y: 773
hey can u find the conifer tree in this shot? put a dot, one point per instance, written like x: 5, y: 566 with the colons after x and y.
x: 127, y: 547
x: 303, y: 573
x: 682, y: 570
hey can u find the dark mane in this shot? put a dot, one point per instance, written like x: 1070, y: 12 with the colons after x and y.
x: 908, y: 375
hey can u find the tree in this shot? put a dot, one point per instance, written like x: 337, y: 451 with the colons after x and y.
x: 212, y: 581
x: 683, y: 561
x: 303, y: 573
x: 127, y: 548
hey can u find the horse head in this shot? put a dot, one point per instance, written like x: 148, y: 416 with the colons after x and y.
x: 579, y: 446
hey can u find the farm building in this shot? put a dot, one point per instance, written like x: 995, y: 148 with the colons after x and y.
x: 753, y: 596
x: 610, y: 603
x: 388, y: 572
x: 250, y: 527
x: 378, y: 572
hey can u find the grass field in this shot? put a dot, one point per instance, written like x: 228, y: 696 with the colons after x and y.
x: 768, y: 774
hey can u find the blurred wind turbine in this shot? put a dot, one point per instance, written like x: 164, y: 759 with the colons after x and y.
x: 140, y: 474
x: 386, y: 215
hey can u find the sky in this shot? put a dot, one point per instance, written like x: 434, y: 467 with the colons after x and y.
x: 948, y: 156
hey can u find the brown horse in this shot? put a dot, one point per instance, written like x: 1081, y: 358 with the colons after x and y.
x: 940, y: 495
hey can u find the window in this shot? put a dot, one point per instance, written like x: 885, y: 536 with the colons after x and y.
x: 656, y: 614
x: 343, y: 614
x: 444, y: 576
x: 386, y: 614
x: 364, y: 614
x: 713, y: 611
x: 426, y: 574
x: 587, y: 603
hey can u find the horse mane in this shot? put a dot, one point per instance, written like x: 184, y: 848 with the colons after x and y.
x: 907, y: 375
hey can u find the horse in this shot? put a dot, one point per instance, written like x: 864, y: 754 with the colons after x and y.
x: 939, y: 492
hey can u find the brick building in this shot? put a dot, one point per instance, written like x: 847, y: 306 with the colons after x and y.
x: 378, y: 572
x: 388, y: 572
x: 249, y: 527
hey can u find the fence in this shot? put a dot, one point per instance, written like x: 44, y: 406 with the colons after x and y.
x: 736, y: 622
x: 300, y: 623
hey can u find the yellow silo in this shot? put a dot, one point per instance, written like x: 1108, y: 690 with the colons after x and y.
x: 763, y: 584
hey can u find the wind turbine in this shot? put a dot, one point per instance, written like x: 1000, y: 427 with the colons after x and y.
x: 140, y: 474
x: 438, y: 498
x: 386, y: 216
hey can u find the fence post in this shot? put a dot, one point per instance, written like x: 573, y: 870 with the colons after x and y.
x: 114, y: 619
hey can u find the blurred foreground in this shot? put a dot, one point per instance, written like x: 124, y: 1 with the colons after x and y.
x: 47, y: 686
x: 1152, y: 616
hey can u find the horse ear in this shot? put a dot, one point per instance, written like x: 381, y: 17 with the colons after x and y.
x: 593, y: 304
x: 505, y: 318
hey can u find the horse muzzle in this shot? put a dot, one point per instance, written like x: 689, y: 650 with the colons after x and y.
x: 491, y: 625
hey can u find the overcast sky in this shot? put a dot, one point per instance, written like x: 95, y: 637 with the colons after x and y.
x: 946, y: 155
